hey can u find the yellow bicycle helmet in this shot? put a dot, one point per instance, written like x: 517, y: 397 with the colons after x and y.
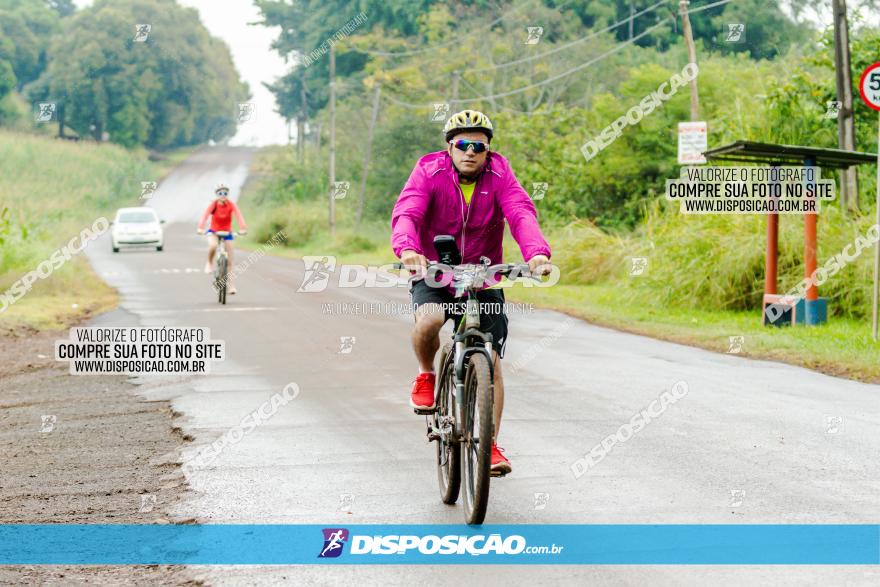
x: 467, y: 120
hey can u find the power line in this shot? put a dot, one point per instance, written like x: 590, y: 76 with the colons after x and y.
x: 573, y: 69
x: 543, y: 82
x: 569, y: 44
x: 564, y: 74
x: 445, y: 44
x: 500, y: 106
x: 391, y: 98
x: 707, y: 6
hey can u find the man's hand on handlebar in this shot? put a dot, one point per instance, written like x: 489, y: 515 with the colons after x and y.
x: 540, y: 265
x: 200, y: 230
x: 414, y: 261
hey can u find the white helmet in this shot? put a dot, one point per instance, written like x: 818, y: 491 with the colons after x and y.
x: 221, y: 186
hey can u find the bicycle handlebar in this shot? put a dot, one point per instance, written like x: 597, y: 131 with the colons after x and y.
x: 521, y: 269
x: 222, y: 232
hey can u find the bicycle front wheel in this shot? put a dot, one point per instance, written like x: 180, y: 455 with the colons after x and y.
x: 221, y: 279
x: 448, y: 450
x: 478, y: 430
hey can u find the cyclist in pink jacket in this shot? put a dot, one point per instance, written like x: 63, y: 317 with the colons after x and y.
x: 468, y: 192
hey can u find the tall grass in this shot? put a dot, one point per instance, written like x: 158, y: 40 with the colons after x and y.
x: 50, y: 190
x: 715, y: 261
x: 291, y: 198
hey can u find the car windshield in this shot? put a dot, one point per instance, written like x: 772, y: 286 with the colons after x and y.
x: 136, y: 217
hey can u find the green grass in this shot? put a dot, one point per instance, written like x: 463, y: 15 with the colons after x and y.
x: 50, y: 190
x: 301, y: 216
x: 349, y: 246
x: 715, y: 261
x: 842, y: 347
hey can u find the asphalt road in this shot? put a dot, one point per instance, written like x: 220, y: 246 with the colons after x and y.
x: 751, y: 441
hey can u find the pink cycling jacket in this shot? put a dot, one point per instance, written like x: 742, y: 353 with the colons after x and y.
x: 431, y: 204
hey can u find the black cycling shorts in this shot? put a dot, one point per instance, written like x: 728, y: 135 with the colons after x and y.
x: 493, y: 320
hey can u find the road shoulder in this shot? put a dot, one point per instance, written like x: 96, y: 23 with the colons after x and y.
x: 82, y: 449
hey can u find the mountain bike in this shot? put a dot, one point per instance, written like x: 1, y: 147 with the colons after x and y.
x: 462, y: 421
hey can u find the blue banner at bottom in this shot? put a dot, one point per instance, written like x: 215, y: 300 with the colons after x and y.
x: 239, y: 544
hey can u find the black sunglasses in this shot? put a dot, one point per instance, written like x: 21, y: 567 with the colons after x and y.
x: 463, y: 144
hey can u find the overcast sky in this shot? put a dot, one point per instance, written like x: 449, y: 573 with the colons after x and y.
x: 255, y: 61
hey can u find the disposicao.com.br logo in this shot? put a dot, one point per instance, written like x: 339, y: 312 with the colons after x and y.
x: 320, y: 270
x: 334, y: 541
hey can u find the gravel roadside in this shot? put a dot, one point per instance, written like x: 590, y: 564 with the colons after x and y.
x: 82, y: 449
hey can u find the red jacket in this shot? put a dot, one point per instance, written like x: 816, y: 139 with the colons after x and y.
x: 221, y: 216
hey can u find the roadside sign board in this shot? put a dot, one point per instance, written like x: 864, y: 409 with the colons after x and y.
x: 869, y: 86
x: 693, y: 141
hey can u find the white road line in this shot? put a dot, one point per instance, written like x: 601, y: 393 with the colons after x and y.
x: 156, y: 271
x: 190, y: 311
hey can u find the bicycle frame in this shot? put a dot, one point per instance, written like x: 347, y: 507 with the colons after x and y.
x: 470, y: 279
x: 463, y: 351
x: 221, y: 266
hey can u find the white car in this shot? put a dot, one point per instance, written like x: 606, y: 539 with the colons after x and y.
x: 137, y: 227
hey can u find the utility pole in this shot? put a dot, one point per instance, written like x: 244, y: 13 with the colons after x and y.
x: 632, y: 11
x: 876, y: 247
x: 692, y: 56
x: 300, y: 136
x: 368, y: 151
x: 61, y: 121
x: 454, y: 99
x: 303, y: 117
x: 332, y: 208
x: 849, y: 186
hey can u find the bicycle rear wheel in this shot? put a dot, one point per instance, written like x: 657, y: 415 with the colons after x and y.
x: 221, y: 279
x: 448, y: 451
x: 478, y: 429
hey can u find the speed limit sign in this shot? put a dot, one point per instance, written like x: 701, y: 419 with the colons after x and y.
x: 869, y: 86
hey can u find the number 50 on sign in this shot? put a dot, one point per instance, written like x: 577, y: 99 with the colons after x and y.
x: 869, y: 86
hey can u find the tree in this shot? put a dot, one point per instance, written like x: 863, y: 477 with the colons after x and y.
x: 62, y: 7
x: 177, y: 87
x: 25, y: 30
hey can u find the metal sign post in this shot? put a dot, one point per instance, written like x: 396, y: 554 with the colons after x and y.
x: 877, y: 246
x: 869, y: 88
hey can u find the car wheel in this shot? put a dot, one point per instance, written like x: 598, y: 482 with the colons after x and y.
x: 159, y: 248
x: 115, y: 249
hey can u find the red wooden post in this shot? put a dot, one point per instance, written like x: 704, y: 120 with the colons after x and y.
x: 772, y: 256
x: 810, y: 244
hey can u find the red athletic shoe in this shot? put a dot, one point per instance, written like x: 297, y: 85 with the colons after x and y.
x: 500, y: 464
x: 422, y: 397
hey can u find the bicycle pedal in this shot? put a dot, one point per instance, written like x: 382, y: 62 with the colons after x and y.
x: 422, y: 412
x: 497, y: 474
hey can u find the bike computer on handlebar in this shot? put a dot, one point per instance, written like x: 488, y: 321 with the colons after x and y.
x: 447, y: 250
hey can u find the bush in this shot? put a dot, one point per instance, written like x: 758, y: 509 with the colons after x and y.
x: 356, y: 243
x: 715, y: 262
